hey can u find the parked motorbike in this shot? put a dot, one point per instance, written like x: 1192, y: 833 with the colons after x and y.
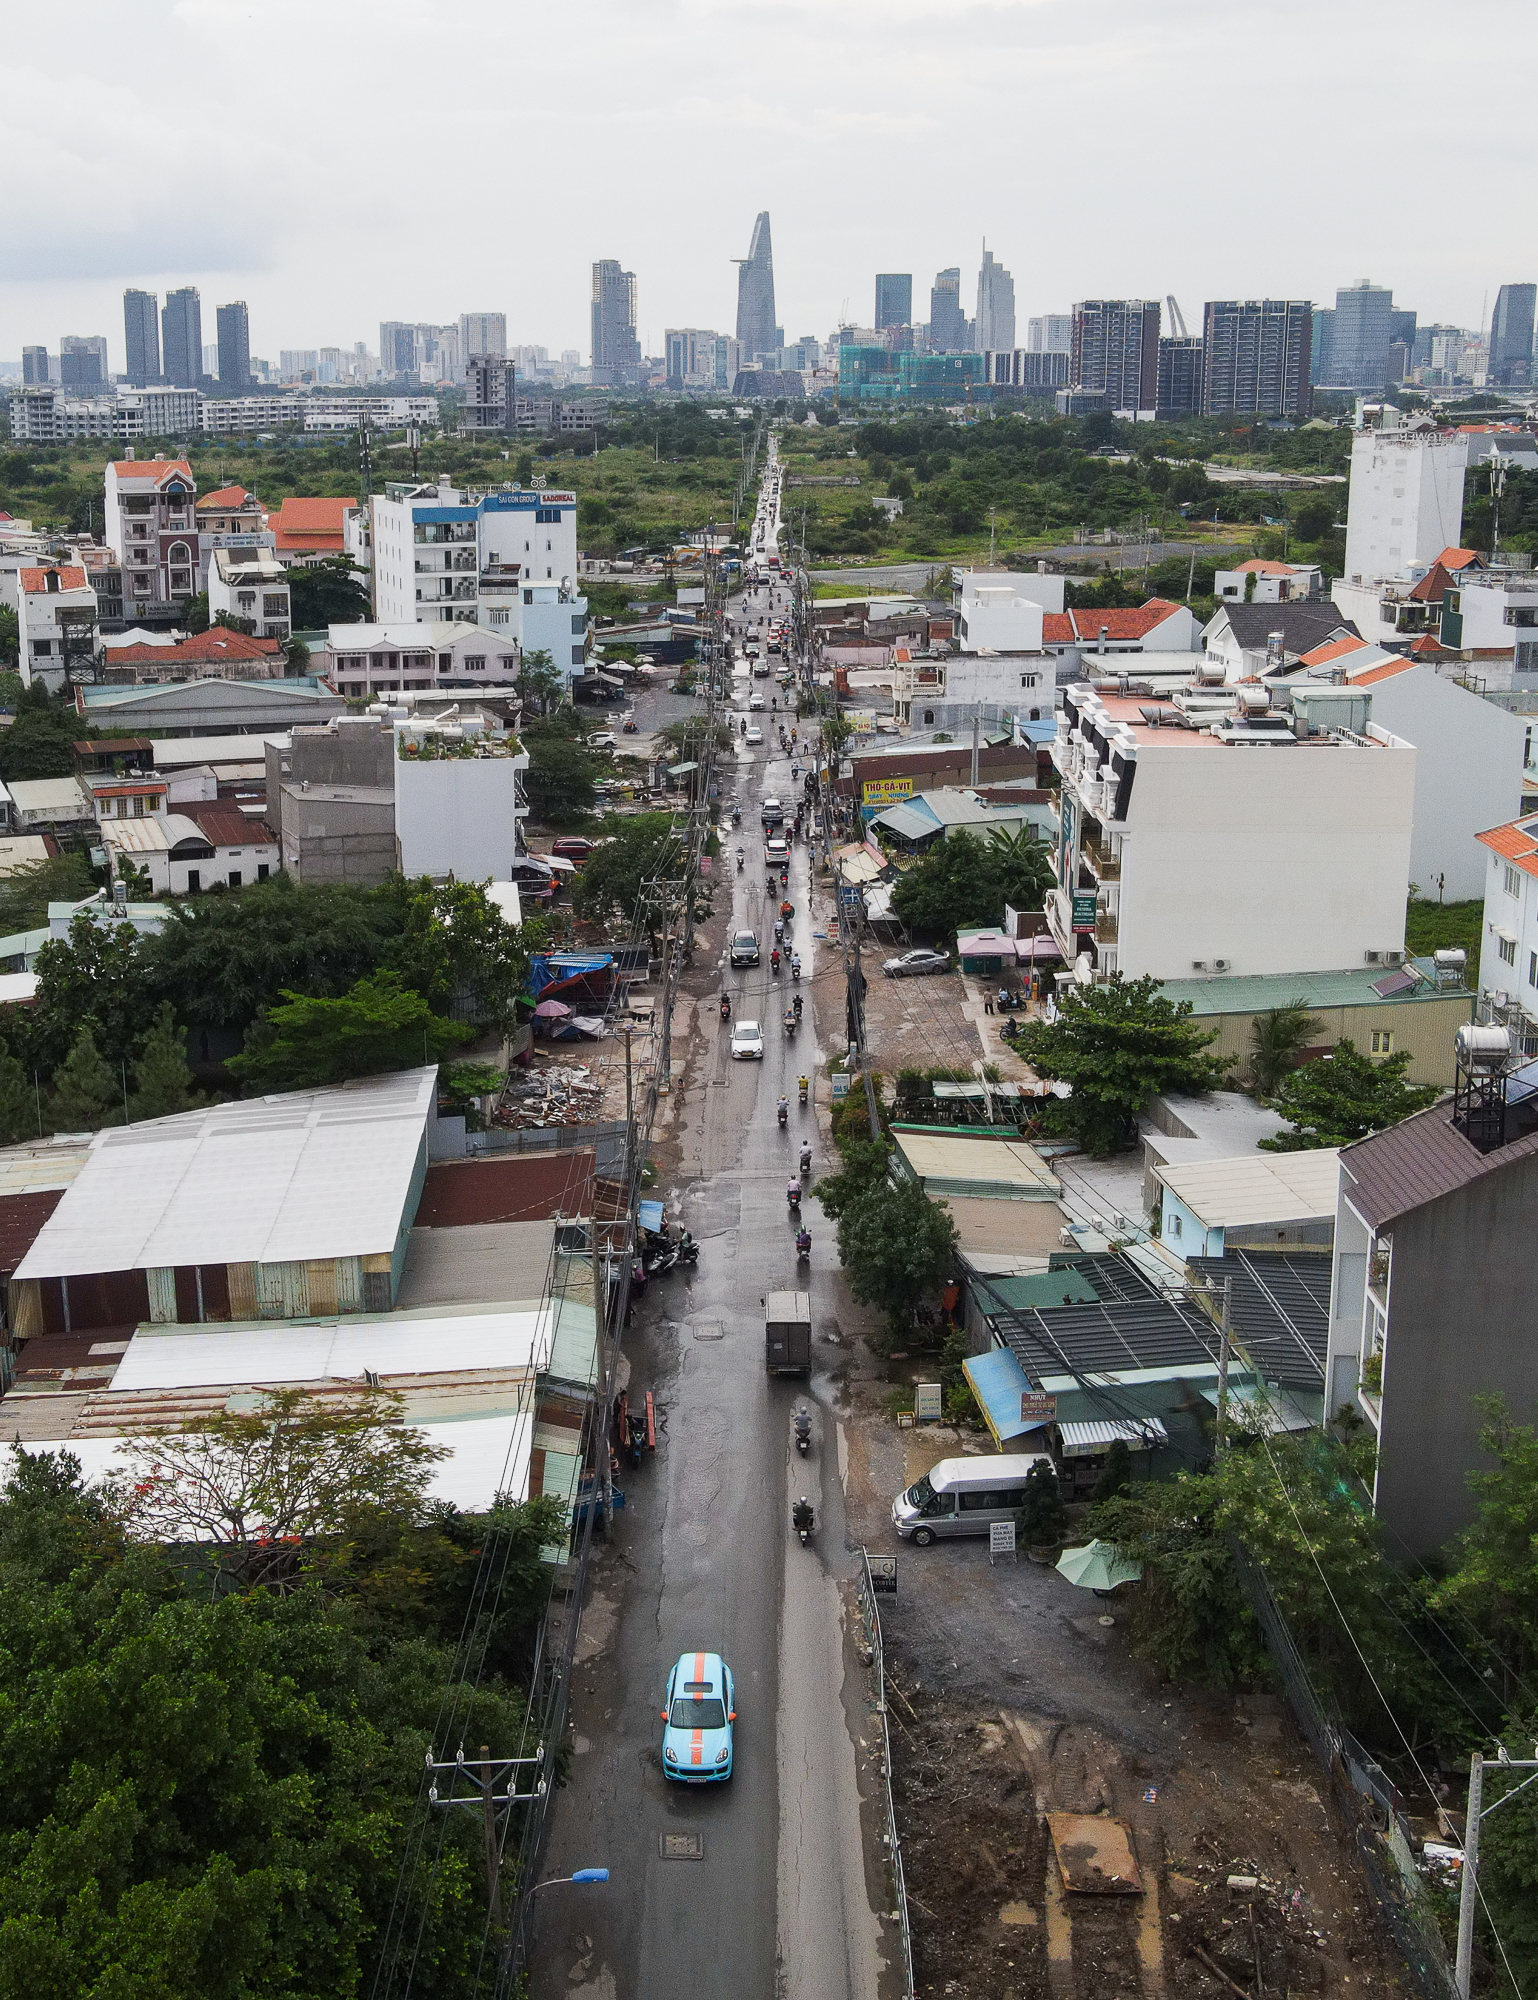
x: 803, y: 1428
x: 688, y: 1249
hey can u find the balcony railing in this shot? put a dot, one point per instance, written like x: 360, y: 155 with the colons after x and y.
x: 1101, y: 861
x: 1105, y: 927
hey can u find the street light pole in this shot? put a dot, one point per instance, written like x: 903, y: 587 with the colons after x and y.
x: 1468, y: 1888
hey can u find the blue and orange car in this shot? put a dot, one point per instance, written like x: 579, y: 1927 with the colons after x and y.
x: 697, y: 1722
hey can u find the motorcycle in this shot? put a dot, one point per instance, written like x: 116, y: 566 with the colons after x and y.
x: 726, y: 1006
x: 736, y: 815
x: 803, y: 1428
x: 795, y: 966
x: 782, y: 1112
x: 805, y: 1162
x: 803, y: 1520
x: 804, y: 1245
x: 796, y: 1003
x: 790, y: 1020
x: 774, y: 960
x: 739, y: 861
x: 793, y: 1194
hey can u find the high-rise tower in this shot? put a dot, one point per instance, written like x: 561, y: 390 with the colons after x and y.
x: 141, y: 333
x: 756, y: 329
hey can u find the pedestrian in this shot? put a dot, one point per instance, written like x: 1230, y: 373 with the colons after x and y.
x: 988, y: 1002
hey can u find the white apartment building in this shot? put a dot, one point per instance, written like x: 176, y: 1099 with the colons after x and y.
x: 56, y: 616
x: 1490, y: 620
x: 250, y: 583
x: 1037, y: 585
x: 458, y: 799
x: 442, y: 553
x: 1051, y: 334
x: 51, y: 416
x: 1508, y: 955
x: 995, y: 689
x: 1406, y: 498
x: 151, y: 527
x: 1199, y: 834
x: 994, y: 618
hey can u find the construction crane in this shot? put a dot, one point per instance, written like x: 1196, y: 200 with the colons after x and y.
x: 1177, y: 318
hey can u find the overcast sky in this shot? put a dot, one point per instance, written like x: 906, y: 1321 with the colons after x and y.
x: 336, y: 162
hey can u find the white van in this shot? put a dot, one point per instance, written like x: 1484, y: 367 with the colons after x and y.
x: 964, y: 1496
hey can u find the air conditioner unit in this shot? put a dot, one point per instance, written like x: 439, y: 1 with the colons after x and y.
x: 1221, y: 964
x: 1393, y: 958
x: 1198, y: 965
x: 1373, y: 957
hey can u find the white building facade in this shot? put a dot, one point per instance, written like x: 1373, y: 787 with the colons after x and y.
x: 1508, y: 955
x: 458, y: 800
x: 417, y: 658
x: 1213, y: 840
x: 1406, y: 499
x: 152, y: 529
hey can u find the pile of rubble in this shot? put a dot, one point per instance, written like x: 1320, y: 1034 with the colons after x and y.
x: 554, y: 1094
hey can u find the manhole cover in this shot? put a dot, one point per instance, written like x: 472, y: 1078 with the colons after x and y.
x: 709, y: 1329
x: 681, y: 1846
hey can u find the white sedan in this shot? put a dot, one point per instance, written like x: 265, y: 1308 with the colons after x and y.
x: 747, y: 1042
x: 754, y: 736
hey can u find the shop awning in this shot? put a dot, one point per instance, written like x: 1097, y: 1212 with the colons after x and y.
x: 1088, y: 1440
x: 998, y: 1382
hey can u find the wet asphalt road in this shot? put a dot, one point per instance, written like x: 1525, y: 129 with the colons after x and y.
x: 755, y: 1889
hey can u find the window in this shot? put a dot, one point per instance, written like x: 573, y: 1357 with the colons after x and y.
x: 262, y: 871
x: 547, y: 517
x: 1027, y: 680
x: 1532, y: 968
x: 246, y: 599
x: 41, y: 648
x: 234, y: 878
x: 1177, y: 1227
x: 275, y: 604
x: 1508, y: 951
x: 1513, y: 881
x: 140, y: 803
x: 1524, y: 657
x: 1382, y: 1041
x: 475, y: 660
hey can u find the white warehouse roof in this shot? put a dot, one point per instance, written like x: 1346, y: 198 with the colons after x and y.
x: 274, y: 1180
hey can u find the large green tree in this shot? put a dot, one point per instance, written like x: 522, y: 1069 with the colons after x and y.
x: 163, y: 1082
x: 208, y: 1794
x: 27, y: 891
x: 38, y: 743
x: 379, y: 1025
x: 1116, y: 1044
x: 1344, y: 1096
x: 328, y: 592
x: 633, y: 852
x: 1277, y: 1041
x: 540, y: 681
x: 455, y: 948
x: 86, y: 1093
x: 221, y: 959
x: 94, y: 975
x: 562, y: 777
x: 896, y: 1245
x: 965, y: 881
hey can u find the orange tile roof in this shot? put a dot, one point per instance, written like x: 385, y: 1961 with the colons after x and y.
x: 316, y: 524
x: 150, y: 468
x: 219, y: 642
x: 1383, y: 672
x: 1334, y: 649
x: 1067, y: 628
x: 1514, y: 842
x: 224, y: 496
x: 1432, y: 587
x: 1459, y: 558
x: 1259, y: 566
x: 36, y: 580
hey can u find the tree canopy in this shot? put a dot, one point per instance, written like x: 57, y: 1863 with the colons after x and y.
x: 965, y: 880
x: 328, y: 592
x: 377, y: 1026
x: 1344, y: 1096
x: 896, y: 1245
x: 632, y: 852
x: 563, y: 776
x: 1118, y: 1043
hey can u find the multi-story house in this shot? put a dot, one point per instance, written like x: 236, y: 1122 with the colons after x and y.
x: 1200, y: 833
x: 229, y: 518
x: 441, y: 553
x: 151, y: 526
x: 56, y: 613
x: 1431, y: 1293
x: 250, y: 583
x: 1405, y: 501
x: 1508, y: 955
x: 1262, y: 582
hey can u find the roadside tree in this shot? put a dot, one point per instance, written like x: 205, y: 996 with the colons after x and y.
x: 378, y: 1026
x: 966, y: 880
x: 1117, y: 1044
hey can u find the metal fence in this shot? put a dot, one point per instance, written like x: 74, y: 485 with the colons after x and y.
x: 870, y: 1619
x: 1362, y: 1792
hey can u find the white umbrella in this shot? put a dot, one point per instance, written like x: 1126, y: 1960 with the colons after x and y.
x: 1098, y: 1566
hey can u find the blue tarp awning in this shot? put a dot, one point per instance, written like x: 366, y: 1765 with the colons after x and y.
x: 649, y: 1215
x: 552, y: 968
x: 998, y: 1382
x: 909, y: 821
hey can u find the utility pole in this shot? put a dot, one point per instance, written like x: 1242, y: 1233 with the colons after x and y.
x: 977, y: 725
x: 1468, y: 1890
x: 493, y: 1859
x: 1225, y: 1329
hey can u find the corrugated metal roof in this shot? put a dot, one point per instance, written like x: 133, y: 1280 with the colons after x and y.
x: 275, y: 1180
x: 509, y: 1187
x: 1003, y: 1169
x: 1257, y: 1187
x: 486, y: 1456
x: 1280, y: 1310
x: 1390, y: 1173
x: 261, y: 1354
x: 1140, y: 1433
x: 1255, y: 992
x: 909, y: 821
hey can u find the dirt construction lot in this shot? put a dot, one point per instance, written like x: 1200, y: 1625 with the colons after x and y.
x: 1011, y: 1701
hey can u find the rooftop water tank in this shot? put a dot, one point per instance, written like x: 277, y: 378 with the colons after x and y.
x: 1482, y: 1048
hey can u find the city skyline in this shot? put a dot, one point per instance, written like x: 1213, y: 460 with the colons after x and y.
x: 69, y: 255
